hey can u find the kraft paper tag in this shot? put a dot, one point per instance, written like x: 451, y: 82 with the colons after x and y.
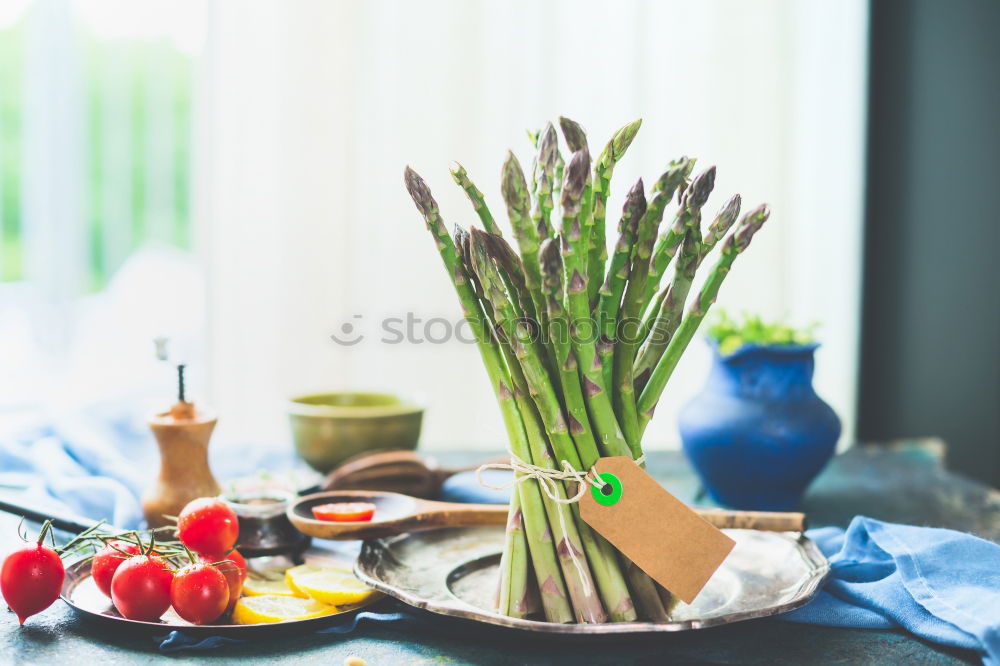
x: 674, y: 545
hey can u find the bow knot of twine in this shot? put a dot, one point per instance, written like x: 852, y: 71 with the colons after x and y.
x: 547, y: 477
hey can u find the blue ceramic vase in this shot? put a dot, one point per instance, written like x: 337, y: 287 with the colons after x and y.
x: 758, y: 434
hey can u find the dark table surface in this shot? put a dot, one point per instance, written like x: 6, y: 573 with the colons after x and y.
x: 906, y: 482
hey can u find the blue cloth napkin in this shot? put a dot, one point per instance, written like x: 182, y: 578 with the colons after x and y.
x: 941, y: 585
x: 93, y: 466
x: 177, y: 641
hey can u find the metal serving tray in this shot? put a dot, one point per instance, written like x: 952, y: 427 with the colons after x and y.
x: 454, y: 572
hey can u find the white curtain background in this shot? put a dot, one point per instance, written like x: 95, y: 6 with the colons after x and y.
x: 311, y: 109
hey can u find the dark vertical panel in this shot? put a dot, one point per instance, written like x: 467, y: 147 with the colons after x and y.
x: 931, y: 313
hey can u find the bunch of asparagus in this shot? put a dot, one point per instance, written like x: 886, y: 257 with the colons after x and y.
x: 578, y: 346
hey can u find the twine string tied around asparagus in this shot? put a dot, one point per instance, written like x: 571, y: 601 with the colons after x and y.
x: 548, y: 480
x: 547, y: 477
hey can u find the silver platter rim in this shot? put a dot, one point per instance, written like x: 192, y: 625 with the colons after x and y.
x: 819, y: 570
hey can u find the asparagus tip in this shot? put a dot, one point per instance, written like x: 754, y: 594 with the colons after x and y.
x: 576, y: 137
x: 512, y: 175
x: 732, y: 208
x: 674, y: 177
x: 723, y: 221
x: 638, y: 189
x: 548, y: 148
x: 623, y: 138
x: 419, y: 192
x: 550, y: 257
x: 575, y: 178
x: 635, y: 200
x: 701, y: 187
x: 748, y: 226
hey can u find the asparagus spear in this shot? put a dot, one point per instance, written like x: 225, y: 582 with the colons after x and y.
x: 551, y: 586
x: 713, y: 235
x: 583, y: 333
x: 515, y: 194
x: 575, y: 404
x: 632, y: 302
x: 614, y: 286
x: 724, y: 219
x: 668, y: 318
x: 512, y: 274
x: 514, y: 564
x: 602, y: 414
x: 576, y: 139
x: 545, y: 175
x: 734, y: 244
x: 461, y: 177
x: 603, y: 169
x: 669, y: 307
x: 534, y: 137
x: 564, y: 357
x: 692, y: 201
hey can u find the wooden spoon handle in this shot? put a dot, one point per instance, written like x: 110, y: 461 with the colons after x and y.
x: 454, y: 514
x: 764, y: 521
x: 448, y: 514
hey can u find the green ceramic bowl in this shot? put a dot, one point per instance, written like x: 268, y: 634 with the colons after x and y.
x: 329, y: 428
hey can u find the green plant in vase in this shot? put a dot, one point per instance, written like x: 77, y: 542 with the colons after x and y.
x: 731, y: 334
x: 578, y: 344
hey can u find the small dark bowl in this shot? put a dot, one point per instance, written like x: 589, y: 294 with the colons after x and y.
x: 264, y: 525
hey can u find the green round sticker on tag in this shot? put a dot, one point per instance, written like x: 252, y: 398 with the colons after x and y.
x: 609, y: 494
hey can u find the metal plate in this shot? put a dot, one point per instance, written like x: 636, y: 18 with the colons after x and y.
x: 454, y: 572
x: 82, y: 595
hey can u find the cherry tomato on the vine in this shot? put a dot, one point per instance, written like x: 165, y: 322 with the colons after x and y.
x: 208, y: 525
x: 107, y: 560
x: 234, y: 568
x: 199, y: 593
x: 31, y: 578
x: 140, y: 588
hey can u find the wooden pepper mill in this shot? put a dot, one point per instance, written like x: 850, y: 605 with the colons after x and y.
x: 182, y: 434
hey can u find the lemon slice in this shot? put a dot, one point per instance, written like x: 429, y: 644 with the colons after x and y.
x: 301, y: 569
x: 277, y: 608
x: 335, y: 587
x: 255, y: 587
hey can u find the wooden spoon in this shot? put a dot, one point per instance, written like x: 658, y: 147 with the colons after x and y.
x: 403, y: 472
x: 396, y: 514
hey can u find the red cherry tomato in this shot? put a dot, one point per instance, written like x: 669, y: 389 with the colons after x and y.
x: 199, y: 593
x: 107, y: 560
x: 234, y: 568
x: 30, y: 579
x: 140, y: 589
x: 345, y: 512
x: 207, y: 525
